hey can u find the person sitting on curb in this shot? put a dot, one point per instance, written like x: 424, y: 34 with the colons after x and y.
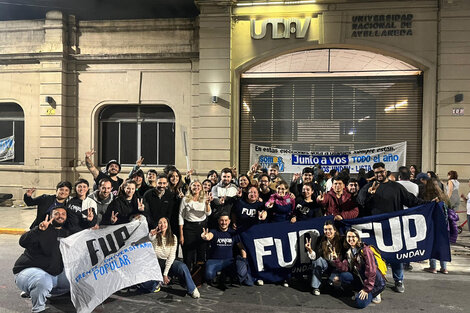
x: 39, y: 271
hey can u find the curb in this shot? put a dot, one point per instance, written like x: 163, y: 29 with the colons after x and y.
x: 12, y: 231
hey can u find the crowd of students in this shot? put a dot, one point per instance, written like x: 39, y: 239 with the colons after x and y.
x: 201, y: 221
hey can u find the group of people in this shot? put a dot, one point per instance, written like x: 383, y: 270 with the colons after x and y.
x: 202, y: 222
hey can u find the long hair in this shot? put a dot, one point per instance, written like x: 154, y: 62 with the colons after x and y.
x: 170, y: 240
x: 189, y: 194
x: 432, y: 190
x: 174, y: 188
x: 336, y: 241
x: 359, y: 241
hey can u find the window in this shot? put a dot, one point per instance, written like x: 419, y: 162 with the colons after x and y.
x: 12, y: 124
x: 127, y: 132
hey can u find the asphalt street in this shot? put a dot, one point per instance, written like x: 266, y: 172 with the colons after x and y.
x: 424, y: 292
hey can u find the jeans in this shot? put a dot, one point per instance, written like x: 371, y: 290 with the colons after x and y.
x: 215, y: 265
x: 320, y: 266
x: 348, y: 279
x: 432, y: 264
x: 244, y: 271
x: 39, y: 284
x: 397, y: 271
x: 179, y: 269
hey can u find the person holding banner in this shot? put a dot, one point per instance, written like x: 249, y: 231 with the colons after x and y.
x: 360, y: 272
x: 39, y: 271
x: 323, y: 254
x: 339, y: 202
x: 385, y: 196
x: 165, y: 245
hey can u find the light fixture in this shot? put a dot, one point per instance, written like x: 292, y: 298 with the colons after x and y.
x: 49, y: 99
x: 215, y: 99
x: 458, y: 97
x: 247, y: 107
x: 254, y: 3
x: 396, y: 106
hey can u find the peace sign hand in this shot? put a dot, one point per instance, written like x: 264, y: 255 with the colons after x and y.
x: 139, y: 161
x: 90, y: 214
x: 239, y: 192
x: 140, y: 204
x: 308, y: 244
x: 209, y: 198
x: 30, y: 191
x: 296, y: 177
x: 45, y: 224
x: 114, y: 217
x: 205, y: 232
x: 262, y: 215
x: 321, y: 196
x: 373, y: 188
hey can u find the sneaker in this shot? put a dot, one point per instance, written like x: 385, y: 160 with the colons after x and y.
x: 377, y: 299
x: 24, y: 294
x: 316, y: 292
x: 399, y: 287
x: 430, y: 270
x: 408, y: 267
x: 195, y: 294
x: 444, y: 271
x: 285, y: 284
x: 259, y: 282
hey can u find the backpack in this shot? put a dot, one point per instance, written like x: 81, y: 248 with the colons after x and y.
x: 381, y: 265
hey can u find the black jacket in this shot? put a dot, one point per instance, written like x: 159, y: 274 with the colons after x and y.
x: 41, y: 250
x: 157, y: 208
x: 45, y: 204
x: 125, y: 209
x: 77, y: 216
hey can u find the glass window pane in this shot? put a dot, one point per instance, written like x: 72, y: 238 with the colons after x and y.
x: 128, y: 143
x: 149, y: 143
x: 109, y: 141
x: 166, y: 149
x: 19, y: 141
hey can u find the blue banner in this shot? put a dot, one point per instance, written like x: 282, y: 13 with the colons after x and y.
x: 276, y: 250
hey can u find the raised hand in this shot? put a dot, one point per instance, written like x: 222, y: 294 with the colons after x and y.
x: 180, y: 193
x: 296, y: 177
x: 293, y: 219
x: 262, y: 215
x: 269, y: 205
x: 308, y: 244
x: 222, y: 200
x: 209, y: 198
x: 30, y: 191
x: 205, y: 232
x: 90, y: 153
x: 45, y: 224
x: 140, y: 204
x: 190, y: 172
x: 139, y: 161
x: 321, y: 197
x: 153, y: 231
x: 254, y: 168
x: 90, y: 214
x: 234, y: 171
x: 114, y: 217
x: 239, y: 192
x: 374, y: 187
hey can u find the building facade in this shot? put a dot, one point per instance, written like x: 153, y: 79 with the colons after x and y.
x: 187, y: 91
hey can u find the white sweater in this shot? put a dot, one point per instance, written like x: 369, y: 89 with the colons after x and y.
x: 165, y: 252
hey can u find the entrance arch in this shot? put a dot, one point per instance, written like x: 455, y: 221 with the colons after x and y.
x: 330, y: 99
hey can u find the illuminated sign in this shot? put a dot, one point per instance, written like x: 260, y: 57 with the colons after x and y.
x: 281, y: 28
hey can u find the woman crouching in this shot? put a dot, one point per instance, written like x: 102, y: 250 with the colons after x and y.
x: 165, y: 243
x: 359, y: 271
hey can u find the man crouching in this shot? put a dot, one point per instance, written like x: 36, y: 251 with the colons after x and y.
x: 39, y: 271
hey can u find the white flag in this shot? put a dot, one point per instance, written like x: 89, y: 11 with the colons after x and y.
x: 100, y: 262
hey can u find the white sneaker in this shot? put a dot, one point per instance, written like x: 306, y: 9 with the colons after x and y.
x: 316, y: 292
x: 196, y: 294
x: 259, y: 282
x: 285, y: 283
x: 377, y: 299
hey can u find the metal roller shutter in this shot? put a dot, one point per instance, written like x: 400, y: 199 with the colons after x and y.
x: 331, y: 113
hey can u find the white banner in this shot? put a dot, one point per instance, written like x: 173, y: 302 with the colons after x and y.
x: 100, y: 262
x: 291, y: 161
x: 7, y: 148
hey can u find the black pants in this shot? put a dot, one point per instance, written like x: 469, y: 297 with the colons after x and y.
x: 194, y: 247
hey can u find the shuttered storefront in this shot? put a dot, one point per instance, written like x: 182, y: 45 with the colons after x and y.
x: 331, y: 113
